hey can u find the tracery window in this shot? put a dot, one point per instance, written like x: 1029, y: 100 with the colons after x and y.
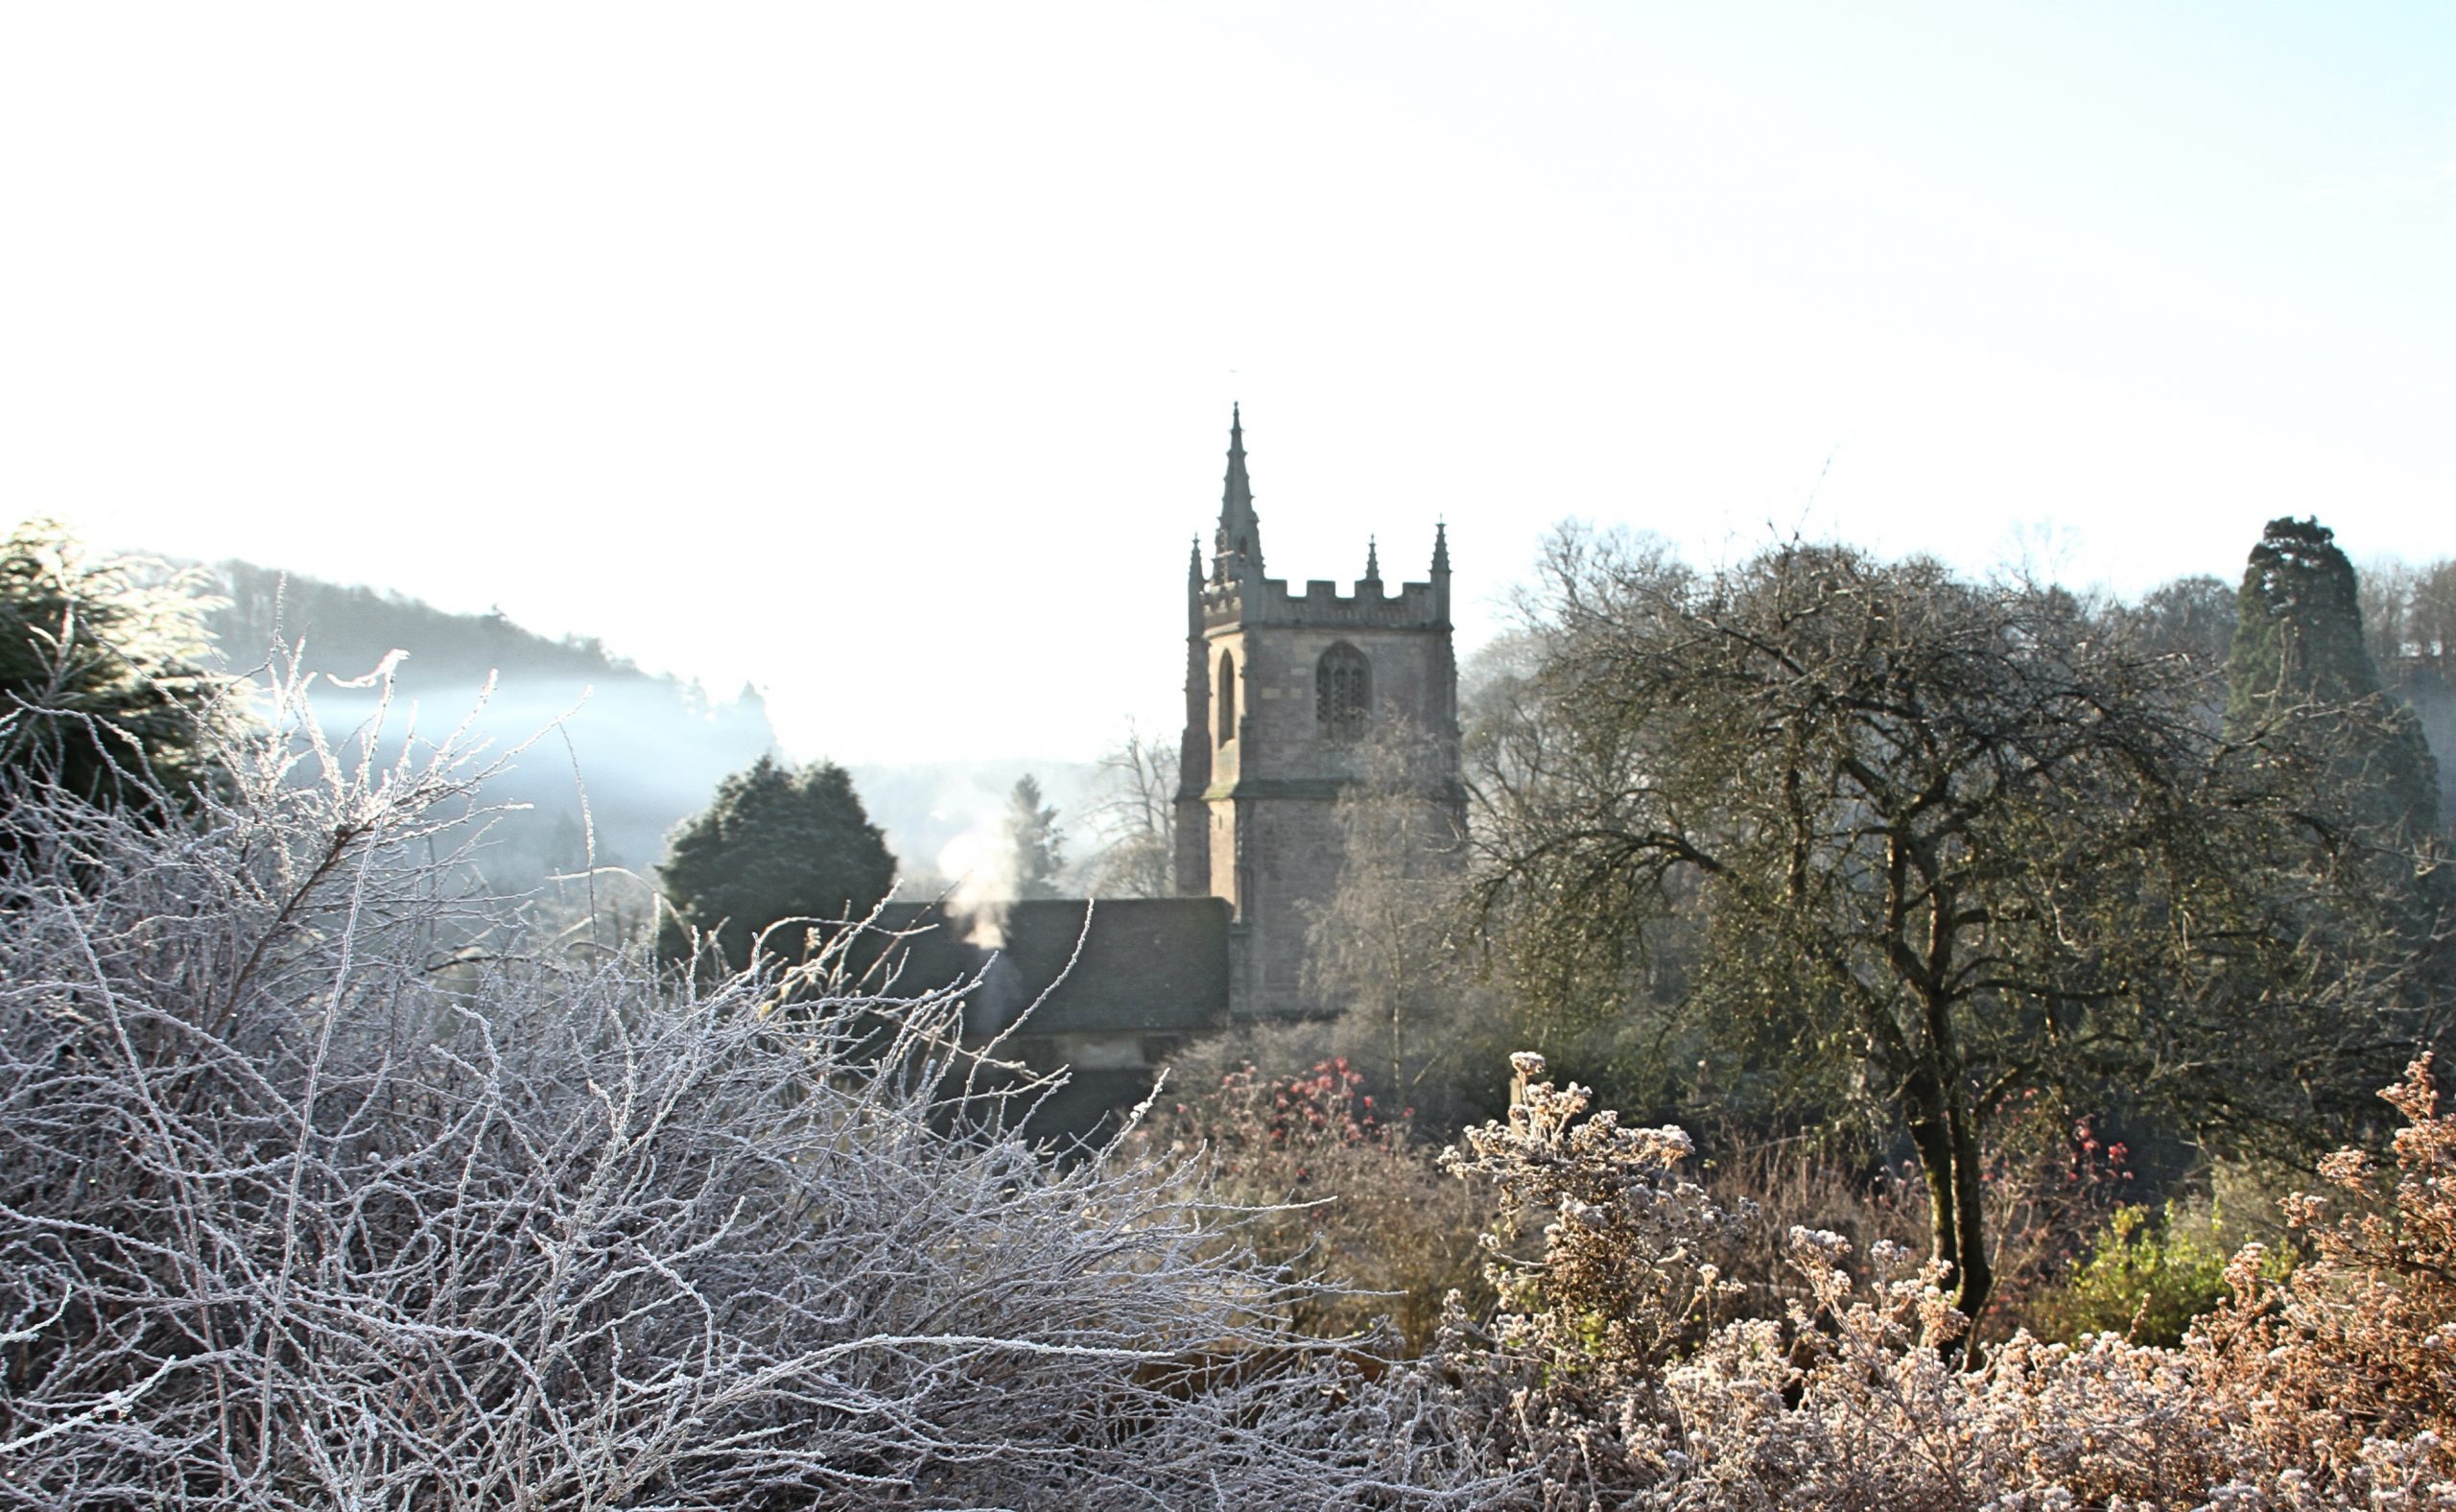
x: 1227, y: 701
x: 1342, y: 692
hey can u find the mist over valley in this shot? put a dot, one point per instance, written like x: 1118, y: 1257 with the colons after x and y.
x: 645, y: 749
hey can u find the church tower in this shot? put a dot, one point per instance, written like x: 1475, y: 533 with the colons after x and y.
x: 1284, y: 692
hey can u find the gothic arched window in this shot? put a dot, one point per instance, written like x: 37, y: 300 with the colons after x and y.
x: 1342, y: 692
x: 1227, y: 697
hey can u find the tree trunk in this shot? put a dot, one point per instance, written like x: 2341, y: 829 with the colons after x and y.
x: 1936, y: 1165
x: 1976, y: 1277
x: 1933, y: 1140
x: 1949, y: 1161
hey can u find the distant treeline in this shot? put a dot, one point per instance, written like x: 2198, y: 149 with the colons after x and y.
x: 647, y: 749
x: 347, y: 630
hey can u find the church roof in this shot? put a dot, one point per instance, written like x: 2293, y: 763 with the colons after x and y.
x: 1139, y: 965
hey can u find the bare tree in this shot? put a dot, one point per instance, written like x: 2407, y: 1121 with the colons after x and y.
x: 1947, y: 839
x: 1382, y: 950
x: 1134, y: 822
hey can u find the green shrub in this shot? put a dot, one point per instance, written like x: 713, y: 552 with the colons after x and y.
x: 2148, y: 1275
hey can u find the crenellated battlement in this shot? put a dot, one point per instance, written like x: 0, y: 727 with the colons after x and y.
x: 1267, y: 601
x: 1289, y: 692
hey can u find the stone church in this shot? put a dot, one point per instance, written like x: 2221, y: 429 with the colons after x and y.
x: 1285, y: 691
x: 1281, y: 688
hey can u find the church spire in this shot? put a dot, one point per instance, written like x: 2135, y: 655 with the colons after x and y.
x: 1236, y: 550
x: 1372, y: 559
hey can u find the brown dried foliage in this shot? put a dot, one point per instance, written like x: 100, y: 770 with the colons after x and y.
x: 2334, y: 1386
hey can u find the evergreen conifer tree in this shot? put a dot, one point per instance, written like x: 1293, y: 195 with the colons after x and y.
x: 103, y: 687
x: 1040, y: 847
x: 2299, y: 672
x: 775, y: 844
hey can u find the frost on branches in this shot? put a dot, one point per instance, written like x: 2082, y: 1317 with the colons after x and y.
x: 321, y: 1187
x: 1624, y: 1278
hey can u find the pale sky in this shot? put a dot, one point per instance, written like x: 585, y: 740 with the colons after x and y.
x: 881, y: 354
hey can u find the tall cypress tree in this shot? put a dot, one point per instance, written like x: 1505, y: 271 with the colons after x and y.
x: 2299, y: 672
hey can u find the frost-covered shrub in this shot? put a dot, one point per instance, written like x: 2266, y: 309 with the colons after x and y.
x: 2352, y: 1354
x: 1625, y: 1275
x: 319, y: 1190
x: 1566, y: 1375
x: 2335, y: 1387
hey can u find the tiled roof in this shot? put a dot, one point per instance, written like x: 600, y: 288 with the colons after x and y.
x: 1150, y: 965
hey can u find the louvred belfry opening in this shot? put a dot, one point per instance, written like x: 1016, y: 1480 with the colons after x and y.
x: 1344, y: 691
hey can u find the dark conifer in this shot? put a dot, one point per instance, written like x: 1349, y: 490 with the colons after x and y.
x: 776, y: 845
x: 103, y: 684
x: 2299, y: 676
